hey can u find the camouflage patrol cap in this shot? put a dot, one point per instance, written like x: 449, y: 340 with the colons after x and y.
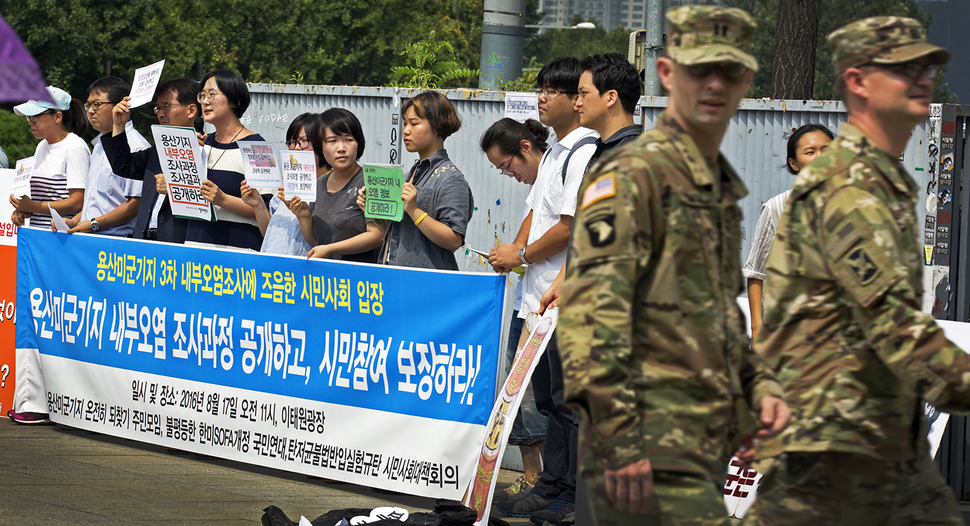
x: 700, y: 34
x: 882, y: 40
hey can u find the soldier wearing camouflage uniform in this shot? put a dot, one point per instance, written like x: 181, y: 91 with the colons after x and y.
x: 844, y: 330
x: 654, y: 347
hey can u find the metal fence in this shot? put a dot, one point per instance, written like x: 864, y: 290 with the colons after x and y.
x: 755, y: 144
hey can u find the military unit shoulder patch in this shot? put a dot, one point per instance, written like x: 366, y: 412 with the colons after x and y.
x: 601, y: 230
x: 601, y: 188
x: 862, y: 266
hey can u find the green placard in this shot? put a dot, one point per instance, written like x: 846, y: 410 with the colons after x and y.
x: 384, y: 192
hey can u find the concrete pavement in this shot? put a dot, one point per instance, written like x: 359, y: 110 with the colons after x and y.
x: 60, y: 475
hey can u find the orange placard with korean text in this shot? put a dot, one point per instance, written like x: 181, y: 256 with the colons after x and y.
x: 8, y: 295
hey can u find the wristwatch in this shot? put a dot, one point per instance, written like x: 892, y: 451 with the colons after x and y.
x: 522, y: 256
x: 95, y: 226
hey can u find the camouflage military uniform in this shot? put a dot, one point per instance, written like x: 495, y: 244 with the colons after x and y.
x: 655, y: 353
x: 852, y: 348
x: 844, y: 330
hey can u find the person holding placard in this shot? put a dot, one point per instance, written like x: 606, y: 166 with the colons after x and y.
x: 280, y: 228
x: 110, y: 202
x: 333, y: 223
x: 57, y: 180
x: 61, y: 159
x: 224, y: 99
x: 176, y: 105
x: 438, y: 202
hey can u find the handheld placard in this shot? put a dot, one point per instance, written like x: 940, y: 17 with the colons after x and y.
x: 180, y: 155
x: 383, y: 183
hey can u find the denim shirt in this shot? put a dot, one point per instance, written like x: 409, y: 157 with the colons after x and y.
x: 445, y: 195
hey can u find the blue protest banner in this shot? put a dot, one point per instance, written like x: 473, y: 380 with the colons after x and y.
x: 301, y: 365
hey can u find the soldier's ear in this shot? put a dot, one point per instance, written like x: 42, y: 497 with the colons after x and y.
x: 855, y: 82
x: 665, y: 68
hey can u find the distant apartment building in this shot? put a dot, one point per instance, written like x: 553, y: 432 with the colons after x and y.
x: 608, y: 14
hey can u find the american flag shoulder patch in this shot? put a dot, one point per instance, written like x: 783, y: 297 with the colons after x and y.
x: 603, y: 187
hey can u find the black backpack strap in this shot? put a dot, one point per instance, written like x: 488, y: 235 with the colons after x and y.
x: 579, y: 144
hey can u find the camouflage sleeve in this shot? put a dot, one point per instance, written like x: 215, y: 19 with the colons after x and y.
x: 757, y: 378
x: 861, y: 241
x: 607, y: 258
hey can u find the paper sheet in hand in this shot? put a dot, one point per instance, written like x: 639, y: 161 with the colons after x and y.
x: 299, y: 174
x: 59, y: 224
x: 259, y: 163
x: 143, y: 87
x: 520, y: 270
x: 20, y: 185
x: 383, y: 185
x: 180, y: 155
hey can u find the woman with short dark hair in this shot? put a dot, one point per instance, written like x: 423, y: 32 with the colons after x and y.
x: 333, y: 224
x: 437, y: 200
x: 224, y: 99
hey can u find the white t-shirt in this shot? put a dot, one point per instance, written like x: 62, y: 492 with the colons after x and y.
x: 550, y: 199
x: 105, y: 190
x: 58, y: 168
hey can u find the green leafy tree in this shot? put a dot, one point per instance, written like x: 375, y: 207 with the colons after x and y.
x: 434, y: 66
x: 15, y: 137
x: 527, y: 82
x: 78, y: 41
x: 579, y: 43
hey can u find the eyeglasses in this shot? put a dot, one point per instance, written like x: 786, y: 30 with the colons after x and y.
x: 204, y: 96
x: 506, y: 167
x: 730, y: 71
x: 96, y: 105
x: 910, y: 70
x: 33, y: 118
x: 164, y: 108
x: 549, y: 93
x: 300, y: 143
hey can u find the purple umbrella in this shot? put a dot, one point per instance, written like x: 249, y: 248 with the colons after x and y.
x: 20, y: 78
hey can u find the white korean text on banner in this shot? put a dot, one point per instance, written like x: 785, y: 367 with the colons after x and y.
x: 379, y: 376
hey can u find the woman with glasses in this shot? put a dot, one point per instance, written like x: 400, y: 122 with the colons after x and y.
x: 333, y: 223
x: 280, y: 228
x: 60, y: 163
x: 224, y: 99
x: 437, y: 200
